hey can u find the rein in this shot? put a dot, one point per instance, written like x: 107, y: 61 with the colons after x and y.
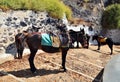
x: 21, y: 36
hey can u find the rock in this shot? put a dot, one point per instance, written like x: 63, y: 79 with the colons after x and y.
x: 9, y: 19
x: 2, y: 49
x: 23, y: 24
x: 11, y: 38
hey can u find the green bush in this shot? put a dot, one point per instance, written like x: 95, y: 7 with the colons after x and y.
x: 111, y: 17
x: 56, y: 8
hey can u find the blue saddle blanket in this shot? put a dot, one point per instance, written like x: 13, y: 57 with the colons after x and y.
x: 46, y: 40
x: 55, y: 41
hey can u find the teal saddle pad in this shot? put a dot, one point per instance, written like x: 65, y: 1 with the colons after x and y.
x: 46, y: 40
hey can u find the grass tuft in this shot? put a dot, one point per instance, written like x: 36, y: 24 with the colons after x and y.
x: 56, y: 8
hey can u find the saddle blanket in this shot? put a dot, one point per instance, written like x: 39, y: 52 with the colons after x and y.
x: 54, y: 41
x: 103, y: 39
x: 46, y: 40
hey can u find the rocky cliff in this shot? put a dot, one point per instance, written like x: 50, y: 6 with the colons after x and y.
x: 91, y: 11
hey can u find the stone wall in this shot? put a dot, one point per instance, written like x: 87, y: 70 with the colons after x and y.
x: 12, y: 22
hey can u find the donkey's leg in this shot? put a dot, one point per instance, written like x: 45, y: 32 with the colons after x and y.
x: 77, y: 44
x: 64, y: 54
x: 77, y: 41
x: 19, y: 54
x: 31, y: 60
x: 99, y: 46
x: 88, y: 38
x: 111, y: 47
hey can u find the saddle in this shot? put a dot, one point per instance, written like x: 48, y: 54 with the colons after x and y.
x: 54, y: 40
x: 64, y: 40
x: 102, y: 39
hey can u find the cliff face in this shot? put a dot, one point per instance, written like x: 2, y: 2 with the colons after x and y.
x: 91, y: 11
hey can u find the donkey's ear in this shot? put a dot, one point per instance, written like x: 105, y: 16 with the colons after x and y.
x: 82, y: 29
x: 96, y: 34
x: 25, y: 33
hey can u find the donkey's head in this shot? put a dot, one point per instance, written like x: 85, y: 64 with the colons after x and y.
x: 20, y: 43
x: 95, y: 37
x: 83, y: 38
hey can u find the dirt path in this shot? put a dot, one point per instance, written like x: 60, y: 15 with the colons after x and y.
x: 84, y: 65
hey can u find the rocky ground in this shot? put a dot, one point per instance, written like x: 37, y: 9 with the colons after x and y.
x: 83, y: 65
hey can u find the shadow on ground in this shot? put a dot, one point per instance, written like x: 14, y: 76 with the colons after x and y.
x: 100, y: 51
x: 27, y: 73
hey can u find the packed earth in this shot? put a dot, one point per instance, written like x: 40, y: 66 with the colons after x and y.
x: 83, y: 65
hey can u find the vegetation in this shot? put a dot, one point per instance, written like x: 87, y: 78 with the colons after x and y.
x: 111, y: 17
x: 55, y: 8
x: 86, y: 1
x: 109, y: 2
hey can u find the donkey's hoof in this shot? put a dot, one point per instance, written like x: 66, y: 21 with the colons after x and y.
x: 15, y: 57
x: 63, y: 69
x: 35, y: 72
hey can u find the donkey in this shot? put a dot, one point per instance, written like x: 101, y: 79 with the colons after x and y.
x: 34, y: 41
x: 102, y: 41
x: 79, y: 36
